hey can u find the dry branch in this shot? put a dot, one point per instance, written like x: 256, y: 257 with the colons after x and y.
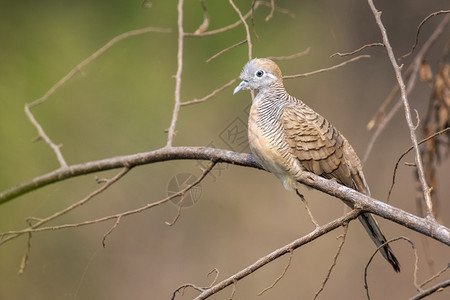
x: 420, y: 170
x: 279, y: 252
x: 176, y: 108
x: 381, y: 119
x: 436, y: 288
x: 425, y: 226
x: 326, y: 69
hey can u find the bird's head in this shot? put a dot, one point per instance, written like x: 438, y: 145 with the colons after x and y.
x: 258, y: 74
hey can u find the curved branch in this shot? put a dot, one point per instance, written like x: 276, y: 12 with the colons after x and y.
x: 425, y: 226
x: 163, y: 154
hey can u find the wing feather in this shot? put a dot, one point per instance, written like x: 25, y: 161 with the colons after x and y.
x: 320, y: 147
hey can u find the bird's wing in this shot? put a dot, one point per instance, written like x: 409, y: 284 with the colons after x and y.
x: 321, y: 148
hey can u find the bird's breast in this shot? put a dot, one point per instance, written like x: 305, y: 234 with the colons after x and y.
x: 267, y: 144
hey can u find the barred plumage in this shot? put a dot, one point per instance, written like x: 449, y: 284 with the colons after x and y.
x: 287, y: 137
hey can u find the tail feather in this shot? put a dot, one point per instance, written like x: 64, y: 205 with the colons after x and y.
x: 374, y: 231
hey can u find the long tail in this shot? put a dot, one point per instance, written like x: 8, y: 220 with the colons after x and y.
x: 375, y: 233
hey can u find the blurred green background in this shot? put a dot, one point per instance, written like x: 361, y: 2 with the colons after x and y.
x: 122, y: 102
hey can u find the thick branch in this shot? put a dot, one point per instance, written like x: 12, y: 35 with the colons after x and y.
x: 425, y: 226
x: 163, y: 154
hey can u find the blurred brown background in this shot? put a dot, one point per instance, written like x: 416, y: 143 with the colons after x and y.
x: 122, y: 103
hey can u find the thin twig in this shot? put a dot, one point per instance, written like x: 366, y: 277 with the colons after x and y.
x: 223, y: 29
x: 93, y: 56
x: 180, y: 206
x: 279, y: 252
x: 342, y: 236
x: 426, y: 190
x: 204, y: 26
x: 305, y: 203
x: 279, y: 277
x: 413, y: 69
x: 289, y: 57
x: 237, y: 23
x: 406, y: 152
x: 176, y: 108
x: 13, y: 234
x: 26, y: 256
x: 357, y: 50
x: 326, y: 69
x: 36, y: 226
x: 212, y: 94
x: 183, y: 287
x: 111, y: 230
x: 247, y: 30
x: 272, y: 9
x: 366, y: 285
x: 44, y: 136
x: 435, y: 275
x: 436, y: 288
x: 225, y: 50
x: 419, y: 28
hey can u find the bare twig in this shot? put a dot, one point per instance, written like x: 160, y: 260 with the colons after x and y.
x: 426, y: 190
x: 342, y: 236
x: 212, y: 94
x: 110, y: 230
x: 272, y: 9
x: 14, y: 234
x: 279, y: 277
x: 93, y: 56
x: 436, y: 288
x: 176, y: 108
x: 237, y: 23
x: 247, y: 30
x: 44, y: 136
x: 413, y: 69
x: 26, y: 256
x: 305, y: 203
x: 225, y: 50
x: 180, y: 206
x: 279, y: 252
x: 4, y: 237
x: 419, y: 28
x: 326, y: 69
x: 406, y: 152
x: 185, y: 286
x: 366, y: 285
x: 204, y: 26
x: 289, y: 57
x: 435, y: 275
x: 357, y: 50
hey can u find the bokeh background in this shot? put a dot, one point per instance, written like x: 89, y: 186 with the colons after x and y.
x: 121, y: 104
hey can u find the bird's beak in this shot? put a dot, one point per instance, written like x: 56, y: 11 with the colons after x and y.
x: 241, y: 86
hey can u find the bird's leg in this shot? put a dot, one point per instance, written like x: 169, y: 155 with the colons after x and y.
x: 313, y: 220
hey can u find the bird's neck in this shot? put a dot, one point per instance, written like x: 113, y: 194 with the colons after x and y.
x: 275, y: 90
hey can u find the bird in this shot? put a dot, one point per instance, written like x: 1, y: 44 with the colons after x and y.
x: 287, y: 138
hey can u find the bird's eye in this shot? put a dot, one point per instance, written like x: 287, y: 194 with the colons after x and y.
x: 259, y: 73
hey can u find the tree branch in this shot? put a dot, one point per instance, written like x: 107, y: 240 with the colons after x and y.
x: 424, y: 226
x: 436, y: 288
x: 426, y: 190
x: 176, y: 108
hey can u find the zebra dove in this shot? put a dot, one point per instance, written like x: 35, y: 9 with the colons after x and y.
x: 287, y: 137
